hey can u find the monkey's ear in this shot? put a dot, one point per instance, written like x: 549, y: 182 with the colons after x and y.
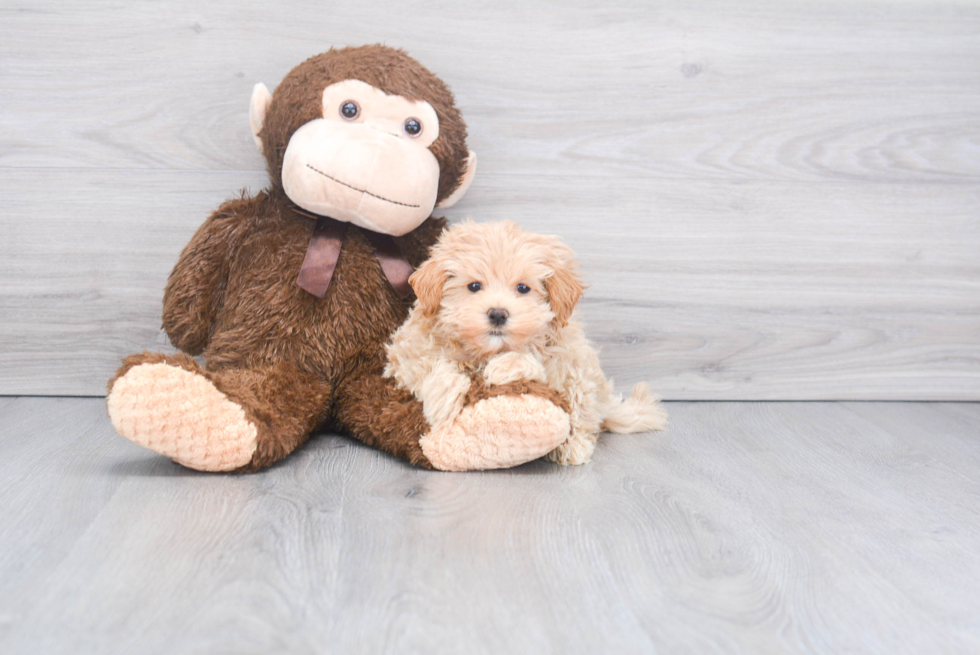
x: 464, y: 184
x: 257, y: 108
x: 564, y: 286
x: 428, y: 282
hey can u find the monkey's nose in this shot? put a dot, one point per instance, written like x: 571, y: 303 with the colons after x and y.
x: 497, y: 316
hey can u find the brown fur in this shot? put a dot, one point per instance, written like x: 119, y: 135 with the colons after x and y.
x: 477, y: 274
x: 277, y: 399
x: 278, y: 351
x: 480, y: 390
x: 295, y: 362
x: 297, y: 101
x: 291, y: 360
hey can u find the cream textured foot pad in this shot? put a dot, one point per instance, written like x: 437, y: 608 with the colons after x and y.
x: 497, y: 432
x: 180, y: 414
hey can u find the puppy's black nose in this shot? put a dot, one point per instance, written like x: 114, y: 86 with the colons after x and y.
x: 498, y: 316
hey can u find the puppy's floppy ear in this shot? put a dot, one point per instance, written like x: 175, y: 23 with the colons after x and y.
x: 428, y: 282
x: 563, y: 285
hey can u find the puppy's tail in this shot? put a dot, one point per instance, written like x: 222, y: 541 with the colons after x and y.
x: 641, y: 412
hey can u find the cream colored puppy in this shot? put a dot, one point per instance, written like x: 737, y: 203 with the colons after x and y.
x: 496, y: 301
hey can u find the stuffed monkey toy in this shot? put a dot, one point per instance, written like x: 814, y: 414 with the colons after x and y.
x: 291, y: 295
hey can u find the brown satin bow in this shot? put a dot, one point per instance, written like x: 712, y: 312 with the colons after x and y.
x: 324, y: 251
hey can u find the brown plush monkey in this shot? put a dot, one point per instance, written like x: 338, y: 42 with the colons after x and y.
x: 290, y: 295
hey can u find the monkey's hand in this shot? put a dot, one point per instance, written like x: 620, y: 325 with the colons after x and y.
x: 511, y: 367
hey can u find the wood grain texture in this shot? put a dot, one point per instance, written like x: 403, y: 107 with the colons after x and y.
x: 747, y: 527
x: 879, y: 91
x: 730, y: 299
x: 772, y: 200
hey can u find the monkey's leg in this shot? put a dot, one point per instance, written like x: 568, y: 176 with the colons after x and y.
x: 226, y: 420
x: 498, y: 427
x: 373, y: 410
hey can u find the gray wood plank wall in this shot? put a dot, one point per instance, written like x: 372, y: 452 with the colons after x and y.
x: 771, y: 200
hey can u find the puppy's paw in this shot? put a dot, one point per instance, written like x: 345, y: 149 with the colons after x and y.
x: 443, y: 393
x: 511, y: 367
x: 574, y: 452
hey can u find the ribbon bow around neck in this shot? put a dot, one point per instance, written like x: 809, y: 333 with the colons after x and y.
x: 324, y: 251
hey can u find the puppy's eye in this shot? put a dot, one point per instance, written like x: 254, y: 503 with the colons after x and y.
x: 474, y: 286
x: 349, y: 110
x: 523, y: 288
x: 413, y: 127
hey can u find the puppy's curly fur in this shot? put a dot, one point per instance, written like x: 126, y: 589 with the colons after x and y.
x: 497, y: 301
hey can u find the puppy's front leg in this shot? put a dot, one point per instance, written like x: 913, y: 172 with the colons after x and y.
x: 511, y: 367
x: 442, y: 392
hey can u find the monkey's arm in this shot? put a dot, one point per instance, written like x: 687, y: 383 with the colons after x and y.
x: 196, y: 287
x: 513, y: 366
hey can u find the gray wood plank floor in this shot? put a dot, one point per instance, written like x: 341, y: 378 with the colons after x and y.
x: 747, y: 527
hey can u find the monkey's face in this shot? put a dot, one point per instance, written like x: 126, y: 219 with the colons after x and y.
x: 365, y: 135
x: 366, y: 161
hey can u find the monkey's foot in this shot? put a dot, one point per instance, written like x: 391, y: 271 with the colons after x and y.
x: 165, y: 405
x: 499, y: 427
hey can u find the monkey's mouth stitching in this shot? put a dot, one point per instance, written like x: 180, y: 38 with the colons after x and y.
x: 373, y: 195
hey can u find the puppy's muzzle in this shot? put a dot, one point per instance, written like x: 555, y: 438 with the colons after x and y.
x: 497, y: 316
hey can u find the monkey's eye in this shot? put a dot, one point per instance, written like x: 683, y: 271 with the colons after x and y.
x: 474, y: 286
x: 350, y: 110
x: 413, y: 127
x: 523, y: 288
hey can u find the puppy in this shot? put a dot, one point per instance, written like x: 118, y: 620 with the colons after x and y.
x: 496, y: 301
